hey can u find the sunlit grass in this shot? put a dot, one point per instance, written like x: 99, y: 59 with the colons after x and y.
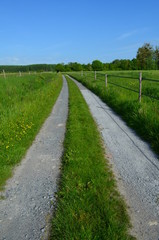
x: 25, y: 102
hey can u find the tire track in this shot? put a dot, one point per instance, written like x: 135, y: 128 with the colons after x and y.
x: 29, y: 195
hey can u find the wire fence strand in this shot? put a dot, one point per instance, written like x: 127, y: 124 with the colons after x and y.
x: 127, y: 88
x: 150, y: 80
x: 130, y: 89
x: 117, y: 76
x: 100, y: 75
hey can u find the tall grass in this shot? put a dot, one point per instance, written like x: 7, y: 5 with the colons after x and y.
x: 144, y: 116
x: 25, y: 102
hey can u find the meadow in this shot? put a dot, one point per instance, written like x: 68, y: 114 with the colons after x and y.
x: 25, y: 102
x: 122, y: 94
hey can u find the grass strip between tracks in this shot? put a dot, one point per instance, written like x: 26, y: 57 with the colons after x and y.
x: 88, y: 204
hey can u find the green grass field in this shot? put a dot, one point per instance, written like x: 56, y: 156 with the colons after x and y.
x: 88, y: 204
x: 144, y: 116
x: 25, y: 102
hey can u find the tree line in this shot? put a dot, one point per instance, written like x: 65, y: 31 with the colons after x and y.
x: 147, y: 58
x: 28, y: 68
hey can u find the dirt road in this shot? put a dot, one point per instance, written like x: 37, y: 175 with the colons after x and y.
x: 136, y: 167
x: 25, y: 211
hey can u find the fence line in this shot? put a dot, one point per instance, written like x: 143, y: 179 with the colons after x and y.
x: 4, y: 74
x: 123, y: 76
x: 106, y: 80
x: 20, y: 74
x: 102, y: 74
x: 118, y: 76
x: 150, y: 80
x: 97, y: 76
x: 129, y: 77
x: 140, y: 86
x: 130, y: 89
x: 140, y: 79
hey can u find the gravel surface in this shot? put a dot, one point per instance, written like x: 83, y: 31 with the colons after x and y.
x: 135, y: 166
x: 25, y: 211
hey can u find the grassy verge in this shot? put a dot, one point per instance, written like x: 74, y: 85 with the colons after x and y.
x: 25, y: 102
x: 89, y: 206
x: 142, y: 117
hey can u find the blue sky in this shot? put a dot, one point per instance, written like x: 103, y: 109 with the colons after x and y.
x: 48, y: 31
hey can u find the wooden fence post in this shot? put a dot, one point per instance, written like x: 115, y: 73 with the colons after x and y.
x: 20, y: 74
x: 106, y: 80
x: 95, y: 75
x: 140, y: 86
x: 4, y: 74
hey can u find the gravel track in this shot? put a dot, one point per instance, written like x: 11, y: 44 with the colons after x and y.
x: 25, y: 211
x: 135, y: 166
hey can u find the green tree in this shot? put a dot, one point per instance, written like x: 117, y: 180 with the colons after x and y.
x: 87, y: 67
x: 97, y: 65
x: 74, y: 66
x: 134, y: 64
x: 60, y: 67
x: 125, y: 64
x: 156, y: 57
x: 106, y: 66
x: 116, y: 64
x: 145, y: 57
x: 67, y: 68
